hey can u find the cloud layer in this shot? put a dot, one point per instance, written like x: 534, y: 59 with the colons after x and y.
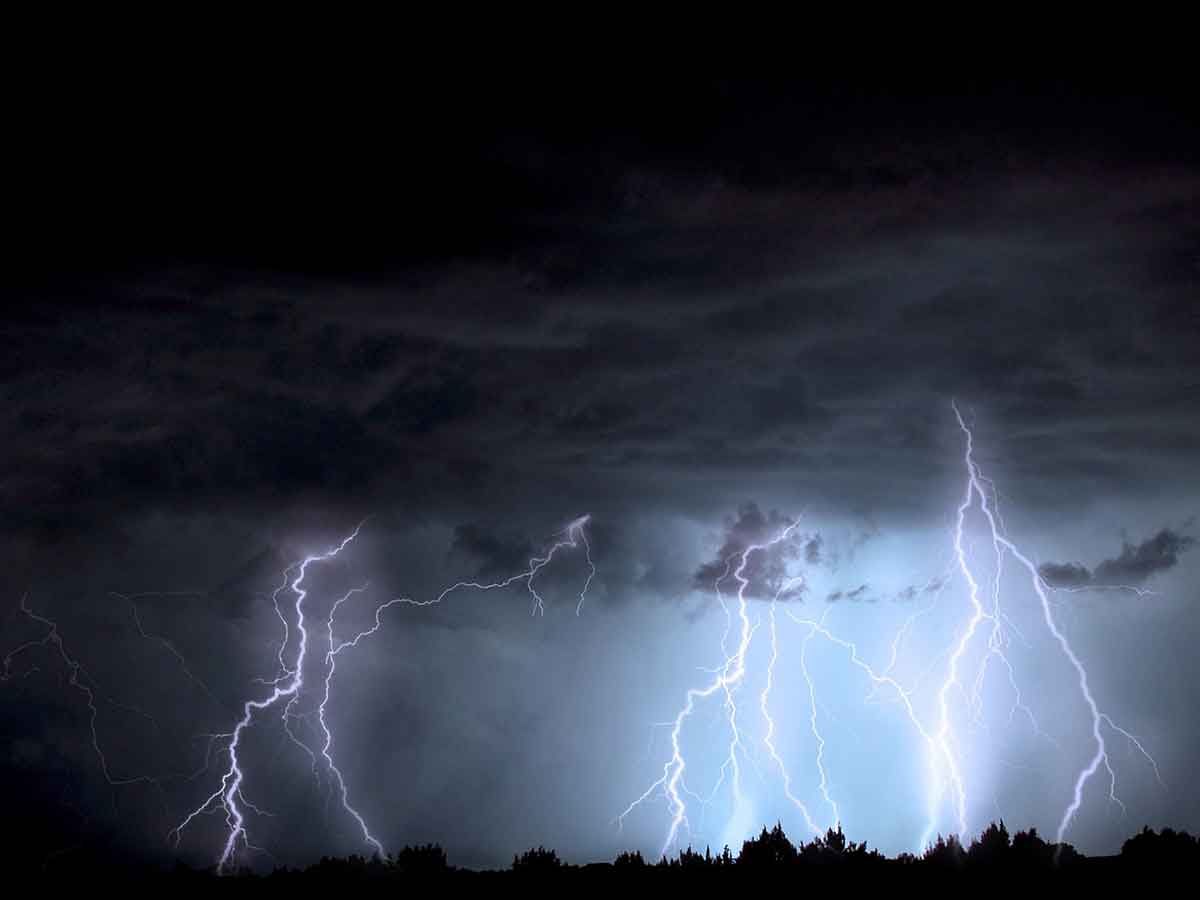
x: 474, y: 309
x: 1133, y: 566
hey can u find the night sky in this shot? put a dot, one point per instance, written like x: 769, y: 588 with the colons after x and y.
x: 250, y: 309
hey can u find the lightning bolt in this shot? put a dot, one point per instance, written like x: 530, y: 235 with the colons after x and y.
x: 818, y: 738
x: 573, y: 536
x: 987, y: 621
x: 286, y: 688
x: 880, y: 679
x: 764, y: 705
x: 79, y: 678
x: 82, y: 680
x: 326, y: 749
x: 981, y: 489
x: 170, y: 647
x: 980, y: 647
x: 725, y: 680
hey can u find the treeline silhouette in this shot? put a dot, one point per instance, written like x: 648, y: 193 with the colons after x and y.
x: 994, y: 856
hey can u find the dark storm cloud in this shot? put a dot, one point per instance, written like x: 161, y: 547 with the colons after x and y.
x: 234, y: 387
x: 651, y: 302
x: 1134, y: 565
x: 913, y: 591
x: 1065, y: 574
x: 766, y: 570
x: 495, y: 554
x: 1137, y: 563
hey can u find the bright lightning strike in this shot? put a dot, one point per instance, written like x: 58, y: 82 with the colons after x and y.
x: 987, y: 622
x: 287, y: 687
x: 982, y: 641
x: 726, y: 680
x: 764, y: 705
x: 980, y: 489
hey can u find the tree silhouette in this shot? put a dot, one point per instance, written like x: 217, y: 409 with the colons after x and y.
x: 1168, y: 848
x: 946, y: 853
x: 991, y: 848
x: 536, y: 860
x: 832, y: 848
x: 769, y: 856
x: 421, y: 860
x: 771, y: 848
x: 1028, y: 850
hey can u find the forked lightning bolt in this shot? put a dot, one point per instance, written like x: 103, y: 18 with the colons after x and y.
x: 327, y: 747
x: 982, y: 488
x: 229, y: 795
x: 987, y: 620
x: 79, y: 678
x: 981, y: 645
x: 573, y: 535
x: 764, y: 701
x: 286, y: 688
x: 726, y: 680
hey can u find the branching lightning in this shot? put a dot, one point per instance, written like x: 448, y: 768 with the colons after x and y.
x: 573, y: 536
x: 287, y: 687
x: 943, y: 715
x: 79, y: 678
x: 982, y: 641
x: 764, y: 705
x: 326, y: 748
x: 726, y: 680
x: 165, y: 643
x: 982, y: 488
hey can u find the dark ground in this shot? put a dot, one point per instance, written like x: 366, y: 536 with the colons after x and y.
x: 994, y: 861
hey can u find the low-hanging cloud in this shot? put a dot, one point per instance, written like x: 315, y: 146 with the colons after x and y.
x: 766, y: 570
x: 1134, y: 565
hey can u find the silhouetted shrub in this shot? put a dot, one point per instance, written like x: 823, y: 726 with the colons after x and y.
x: 771, y: 848
x: 536, y: 860
x: 832, y: 848
x: 421, y: 859
x: 629, y: 860
x: 945, y: 853
x: 1165, y: 848
x: 769, y: 856
x: 1064, y: 854
x: 991, y: 848
x: 1028, y: 850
